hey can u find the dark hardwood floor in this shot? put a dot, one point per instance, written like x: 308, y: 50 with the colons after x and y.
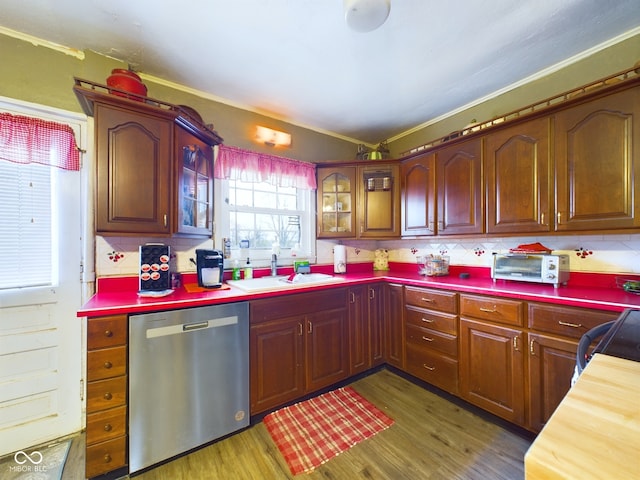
x: 432, y: 438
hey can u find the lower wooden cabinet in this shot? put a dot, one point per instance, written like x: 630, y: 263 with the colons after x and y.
x: 394, y: 325
x: 554, y: 332
x: 551, y: 366
x: 492, y: 368
x: 431, y: 336
x: 298, y: 344
x: 106, y: 434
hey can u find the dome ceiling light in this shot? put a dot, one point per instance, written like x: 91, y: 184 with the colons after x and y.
x: 366, y: 15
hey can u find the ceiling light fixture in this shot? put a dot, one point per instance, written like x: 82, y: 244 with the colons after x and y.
x: 366, y: 15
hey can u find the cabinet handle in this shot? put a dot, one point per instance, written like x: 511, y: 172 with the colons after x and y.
x: 107, y: 396
x: 515, y: 344
x: 428, y: 300
x: 559, y: 217
x: 108, y: 427
x: 572, y: 325
x: 428, y: 367
x: 165, y: 219
x: 440, y: 225
x: 107, y: 458
x: 108, y: 333
x: 300, y: 329
x: 431, y: 226
x: 487, y: 310
x: 309, y: 327
x: 427, y: 320
x: 108, y: 365
x: 372, y: 294
x: 542, y: 218
x: 353, y: 298
x: 531, y: 348
x: 427, y: 339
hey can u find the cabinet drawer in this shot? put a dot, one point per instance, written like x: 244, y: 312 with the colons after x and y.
x: 106, y: 424
x: 433, y: 368
x: 431, y: 299
x: 105, y: 332
x: 441, y: 322
x: 425, y: 338
x: 570, y: 322
x: 105, y: 457
x: 106, y: 363
x: 105, y: 394
x: 296, y: 304
x: 493, y: 309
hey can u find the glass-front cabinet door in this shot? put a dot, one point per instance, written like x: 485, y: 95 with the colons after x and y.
x: 195, y: 184
x: 336, y: 202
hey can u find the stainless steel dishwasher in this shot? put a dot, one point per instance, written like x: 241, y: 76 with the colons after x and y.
x: 188, y: 379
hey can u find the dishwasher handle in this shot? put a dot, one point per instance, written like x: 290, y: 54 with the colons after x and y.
x: 187, y: 327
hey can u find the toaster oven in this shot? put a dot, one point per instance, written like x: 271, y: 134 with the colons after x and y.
x: 531, y: 267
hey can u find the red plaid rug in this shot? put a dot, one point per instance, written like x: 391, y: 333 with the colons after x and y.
x: 312, y: 432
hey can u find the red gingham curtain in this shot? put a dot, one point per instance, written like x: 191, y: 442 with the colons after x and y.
x: 247, y: 166
x: 33, y: 140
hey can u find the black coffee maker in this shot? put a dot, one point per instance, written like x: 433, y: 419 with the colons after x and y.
x: 210, y: 265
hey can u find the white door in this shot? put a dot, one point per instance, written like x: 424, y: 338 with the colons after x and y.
x: 41, y: 339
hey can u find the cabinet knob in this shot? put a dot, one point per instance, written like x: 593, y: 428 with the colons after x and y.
x: 107, y: 458
x: 108, y: 364
x: 108, y: 333
x: 108, y: 427
x: 107, y: 396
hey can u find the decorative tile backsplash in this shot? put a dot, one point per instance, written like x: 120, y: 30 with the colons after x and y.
x: 120, y: 255
x: 587, y: 253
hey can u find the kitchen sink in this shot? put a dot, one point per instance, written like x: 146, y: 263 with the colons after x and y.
x: 284, y: 282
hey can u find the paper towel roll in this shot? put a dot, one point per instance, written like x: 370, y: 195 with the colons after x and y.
x: 339, y: 259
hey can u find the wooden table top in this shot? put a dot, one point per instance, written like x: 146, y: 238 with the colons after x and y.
x: 595, y: 431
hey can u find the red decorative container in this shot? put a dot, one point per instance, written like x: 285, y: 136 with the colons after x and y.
x: 128, y: 81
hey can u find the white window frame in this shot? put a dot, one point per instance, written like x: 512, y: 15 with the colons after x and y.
x: 261, y: 257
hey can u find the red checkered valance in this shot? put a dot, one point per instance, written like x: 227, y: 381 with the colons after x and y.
x: 33, y: 140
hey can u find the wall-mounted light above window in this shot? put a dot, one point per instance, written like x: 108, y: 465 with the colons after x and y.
x: 273, y: 138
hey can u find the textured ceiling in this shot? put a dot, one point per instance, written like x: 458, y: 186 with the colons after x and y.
x: 297, y: 60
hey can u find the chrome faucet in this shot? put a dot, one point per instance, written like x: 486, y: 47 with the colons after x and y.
x: 274, y: 265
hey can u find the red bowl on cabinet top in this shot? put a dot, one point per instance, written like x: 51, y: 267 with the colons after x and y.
x: 128, y: 81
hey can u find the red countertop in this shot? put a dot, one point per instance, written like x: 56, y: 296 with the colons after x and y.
x: 119, y: 295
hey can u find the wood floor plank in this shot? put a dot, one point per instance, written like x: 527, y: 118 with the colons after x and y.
x: 432, y: 438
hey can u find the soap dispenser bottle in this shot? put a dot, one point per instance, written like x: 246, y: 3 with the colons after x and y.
x: 248, y: 270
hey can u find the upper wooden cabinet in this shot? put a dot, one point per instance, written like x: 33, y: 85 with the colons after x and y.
x: 517, y: 161
x: 194, y: 172
x: 569, y: 167
x: 358, y: 201
x: 379, y: 201
x: 154, y: 164
x: 459, y: 186
x: 418, y: 195
x: 336, y: 202
x: 597, y: 162
x: 133, y: 165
